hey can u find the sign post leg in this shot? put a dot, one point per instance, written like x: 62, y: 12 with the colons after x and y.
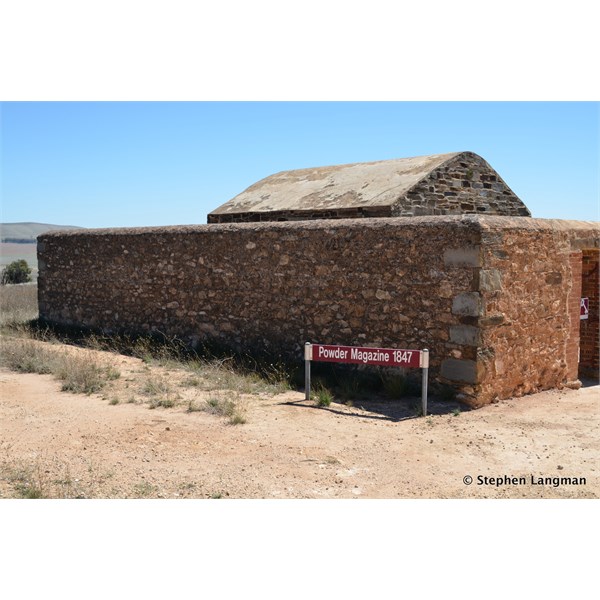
x: 424, y: 382
x: 307, y: 358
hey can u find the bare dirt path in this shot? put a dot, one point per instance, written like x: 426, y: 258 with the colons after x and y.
x: 73, y: 445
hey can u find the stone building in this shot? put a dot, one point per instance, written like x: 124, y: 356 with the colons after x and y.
x: 444, y: 184
x: 495, y: 298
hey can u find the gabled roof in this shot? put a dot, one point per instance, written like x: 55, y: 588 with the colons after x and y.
x: 353, y: 185
x: 454, y: 183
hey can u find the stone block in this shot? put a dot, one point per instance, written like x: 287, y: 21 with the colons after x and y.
x: 492, y: 320
x: 462, y: 257
x: 382, y: 295
x: 465, y: 335
x: 455, y: 369
x: 554, y: 278
x: 490, y: 280
x: 467, y: 304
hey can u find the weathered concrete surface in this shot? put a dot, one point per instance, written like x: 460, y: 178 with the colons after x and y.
x: 456, y: 183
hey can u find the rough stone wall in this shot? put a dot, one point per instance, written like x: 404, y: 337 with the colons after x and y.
x: 590, y: 328
x: 464, y: 185
x: 378, y: 282
x: 530, y: 288
x: 489, y: 296
x: 302, y: 215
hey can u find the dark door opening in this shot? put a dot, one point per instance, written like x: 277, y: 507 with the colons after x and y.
x: 589, y: 328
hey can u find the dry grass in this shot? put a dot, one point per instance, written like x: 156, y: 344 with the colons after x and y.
x: 79, y: 374
x: 222, y: 374
x: 160, y: 392
x: 43, y: 476
x: 231, y: 406
x: 27, y: 356
x: 170, y: 375
x: 18, y: 303
x: 395, y: 386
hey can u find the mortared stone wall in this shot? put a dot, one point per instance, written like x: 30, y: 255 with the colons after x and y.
x: 489, y: 296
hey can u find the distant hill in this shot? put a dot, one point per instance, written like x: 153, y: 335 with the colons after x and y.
x: 26, y: 233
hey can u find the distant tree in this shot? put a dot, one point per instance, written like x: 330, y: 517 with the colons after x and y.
x: 17, y: 272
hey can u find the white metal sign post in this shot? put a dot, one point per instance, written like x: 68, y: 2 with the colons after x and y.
x: 388, y: 357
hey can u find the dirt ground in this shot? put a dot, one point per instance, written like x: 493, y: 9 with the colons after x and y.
x: 73, y: 445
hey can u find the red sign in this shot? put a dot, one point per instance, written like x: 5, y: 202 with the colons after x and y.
x: 387, y: 357
x: 584, y: 309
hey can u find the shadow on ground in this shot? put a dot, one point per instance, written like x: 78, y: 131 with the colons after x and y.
x: 384, y: 409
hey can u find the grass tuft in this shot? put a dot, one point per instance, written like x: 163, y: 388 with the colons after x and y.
x: 155, y: 386
x: 81, y: 375
x: 28, y: 483
x: 395, y: 386
x: 194, y: 407
x: 350, y: 388
x: 161, y: 403
x: 161, y: 392
x: 144, y: 489
x: 322, y: 395
x: 228, y: 406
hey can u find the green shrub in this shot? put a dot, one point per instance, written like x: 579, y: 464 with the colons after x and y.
x: 17, y: 271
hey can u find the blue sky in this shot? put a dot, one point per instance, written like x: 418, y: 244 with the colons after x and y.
x: 117, y: 164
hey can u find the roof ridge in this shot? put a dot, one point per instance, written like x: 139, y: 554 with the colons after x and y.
x: 425, y: 175
x: 369, y: 162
